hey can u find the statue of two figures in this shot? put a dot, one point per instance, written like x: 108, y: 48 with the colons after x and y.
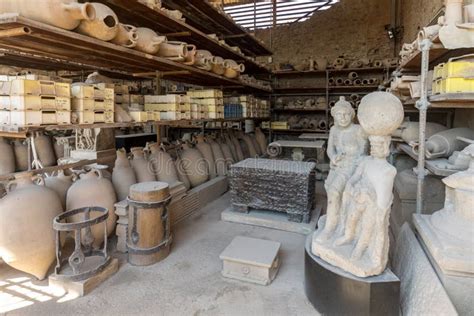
x: 354, y: 234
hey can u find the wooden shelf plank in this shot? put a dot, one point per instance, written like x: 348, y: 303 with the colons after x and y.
x: 299, y: 110
x: 323, y: 72
x: 323, y: 89
x: 453, y: 100
x: 135, y: 13
x: 61, y: 49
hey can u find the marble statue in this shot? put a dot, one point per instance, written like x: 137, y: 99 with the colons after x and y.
x: 359, y: 243
x: 347, y: 145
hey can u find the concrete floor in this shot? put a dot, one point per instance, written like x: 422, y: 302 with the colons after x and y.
x: 188, y: 282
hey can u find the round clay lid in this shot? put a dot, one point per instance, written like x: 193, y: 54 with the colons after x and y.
x: 149, y: 191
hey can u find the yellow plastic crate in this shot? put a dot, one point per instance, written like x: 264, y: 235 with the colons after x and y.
x: 279, y: 125
x: 453, y: 85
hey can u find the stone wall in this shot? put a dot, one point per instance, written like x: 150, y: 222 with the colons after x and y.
x: 416, y: 14
x: 352, y: 28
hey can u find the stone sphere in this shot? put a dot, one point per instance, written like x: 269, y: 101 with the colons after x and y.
x: 380, y: 113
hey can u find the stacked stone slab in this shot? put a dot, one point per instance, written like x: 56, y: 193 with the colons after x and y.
x: 276, y: 185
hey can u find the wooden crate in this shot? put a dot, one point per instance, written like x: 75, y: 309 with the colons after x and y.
x: 82, y: 105
x: 82, y: 117
x: 82, y: 91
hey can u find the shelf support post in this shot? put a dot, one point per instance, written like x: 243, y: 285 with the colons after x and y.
x: 422, y: 105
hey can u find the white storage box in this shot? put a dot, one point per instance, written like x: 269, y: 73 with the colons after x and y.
x: 82, y: 117
x: 63, y: 117
x: 4, y: 117
x: 25, y: 87
x: 26, y: 118
x: 169, y: 98
x: 63, y: 103
x: 4, y: 102
x: 103, y: 117
x: 48, y: 88
x: 62, y: 89
x: 25, y: 102
x: 82, y: 91
x: 81, y: 105
x: 139, y: 116
x: 104, y: 105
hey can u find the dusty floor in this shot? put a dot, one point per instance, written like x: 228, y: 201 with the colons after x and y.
x: 188, y: 282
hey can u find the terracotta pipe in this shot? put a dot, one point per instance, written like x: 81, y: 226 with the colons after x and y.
x: 353, y: 75
x: 339, y: 82
x: 17, y: 31
x: 348, y: 82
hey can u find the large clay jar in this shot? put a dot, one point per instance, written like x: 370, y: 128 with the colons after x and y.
x: 194, y: 165
x: 27, y: 238
x: 163, y: 165
x: 60, y: 184
x: 445, y: 143
x: 143, y: 171
x: 45, y: 150
x: 206, y: 152
x: 261, y: 140
x: 7, y: 157
x: 148, y: 41
x: 203, y: 60
x: 182, y: 176
x: 105, y: 26
x: 231, y: 146
x: 219, y: 159
x: 409, y: 131
x: 66, y: 14
x: 238, y: 148
x: 173, y: 50
x: 20, y: 150
x: 126, y: 36
x: 190, y: 55
x: 245, y: 148
x: 250, y: 146
x: 123, y: 175
x: 255, y: 144
x: 232, y: 68
x: 218, y: 65
x: 92, y: 189
x: 229, y: 160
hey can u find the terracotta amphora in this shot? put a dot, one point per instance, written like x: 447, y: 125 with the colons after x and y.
x: 148, y: 41
x: 238, y: 148
x: 20, y: 150
x: 190, y: 58
x: 45, y: 150
x: 163, y: 164
x: 173, y: 50
x: 7, y: 157
x: 232, y: 68
x: 206, y: 151
x: 60, y: 184
x: 218, y: 65
x: 203, y: 60
x: 105, y: 26
x: 126, y: 36
x: 250, y: 146
x: 229, y: 159
x: 219, y: 158
x: 261, y: 140
x: 123, y: 175
x: 92, y: 189
x: 27, y: 238
x: 194, y: 165
x: 182, y: 176
x: 255, y: 144
x: 231, y: 146
x: 65, y: 14
x: 143, y: 171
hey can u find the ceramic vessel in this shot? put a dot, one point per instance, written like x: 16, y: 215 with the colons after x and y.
x: 66, y: 14
x: 321, y: 64
x: 445, y: 143
x: 261, y: 140
x: 194, y: 165
x: 231, y: 146
x: 409, y: 131
x: 45, y: 150
x: 163, y: 165
x: 203, y: 60
x: 219, y: 158
x: 252, y: 152
x: 453, y: 11
x: 232, y: 68
x: 105, y: 26
x: 226, y: 151
x: 206, y: 151
x: 173, y: 50
x: 182, y: 176
x: 27, y: 239
x: 148, y: 41
x: 238, y: 148
x: 126, y: 36
x: 7, y: 157
x: 143, y: 171
x: 218, y: 65
x: 255, y: 144
x: 60, y: 184
x: 92, y: 189
x: 339, y: 63
x: 123, y: 176
x: 190, y: 55
x: 20, y: 150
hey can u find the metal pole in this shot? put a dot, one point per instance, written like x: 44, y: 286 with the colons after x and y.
x: 422, y: 105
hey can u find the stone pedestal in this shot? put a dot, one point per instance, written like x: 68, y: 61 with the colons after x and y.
x: 333, y: 291
x: 276, y: 185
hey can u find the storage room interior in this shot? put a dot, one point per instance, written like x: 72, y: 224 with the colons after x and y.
x: 237, y: 157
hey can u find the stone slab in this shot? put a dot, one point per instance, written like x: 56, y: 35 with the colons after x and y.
x: 211, y: 190
x: 274, y: 220
x: 333, y: 291
x: 82, y: 288
x: 421, y: 292
x: 251, y: 260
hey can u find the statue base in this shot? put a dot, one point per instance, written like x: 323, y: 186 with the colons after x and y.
x: 333, y: 291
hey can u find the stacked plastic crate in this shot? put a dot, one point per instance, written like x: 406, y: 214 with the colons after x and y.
x: 455, y: 76
x: 92, y: 104
x: 168, y: 107
x: 232, y: 108
x: 211, y: 99
x: 28, y: 102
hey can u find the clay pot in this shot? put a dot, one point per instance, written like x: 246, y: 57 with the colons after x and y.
x: 163, y: 165
x: 194, y: 165
x: 445, y: 143
x: 126, y: 36
x: 148, y: 41
x: 105, y: 26
x: 219, y: 158
x: 321, y: 64
x: 226, y: 151
x: 92, y: 189
x: 339, y: 63
x: 7, y: 157
x: 231, y: 146
x: 203, y: 60
x: 245, y: 149
x: 238, y: 148
x: 27, y: 238
x: 261, y: 140
x: 251, y: 146
x: 65, y: 14
x: 20, y: 150
x: 123, y: 176
x: 218, y: 65
x: 409, y: 131
x: 206, y: 151
x: 173, y: 50
x: 182, y: 173
x: 140, y: 166
x: 190, y: 55
x: 232, y: 68
x: 255, y: 144
x: 45, y: 150
x: 60, y: 184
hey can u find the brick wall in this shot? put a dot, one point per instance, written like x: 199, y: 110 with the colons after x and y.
x: 416, y: 14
